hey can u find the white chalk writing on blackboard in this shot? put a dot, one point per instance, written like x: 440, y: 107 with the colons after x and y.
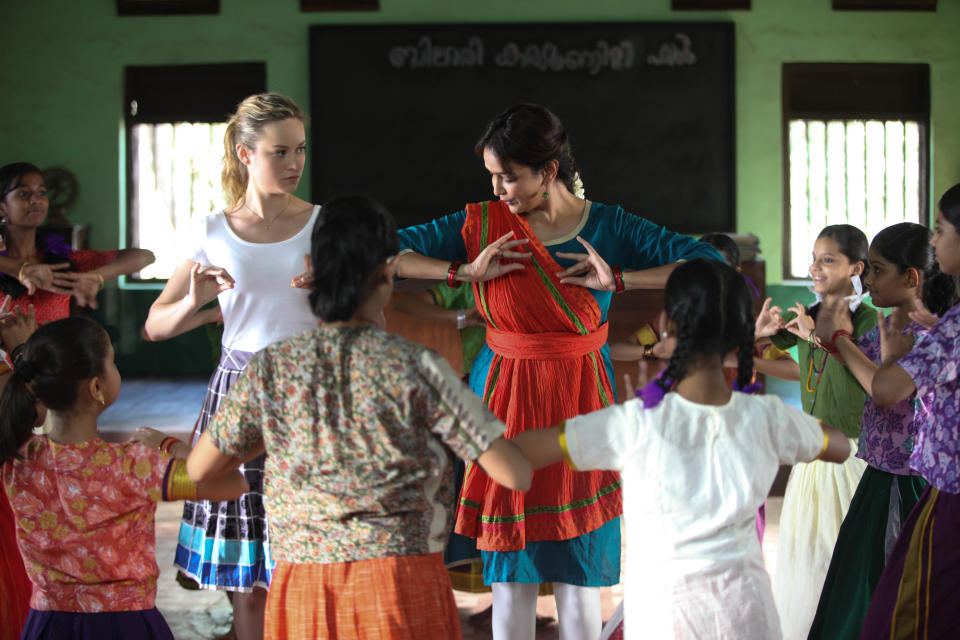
x: 674, y: 54
x: 427, y: 55
x: 548, y: 57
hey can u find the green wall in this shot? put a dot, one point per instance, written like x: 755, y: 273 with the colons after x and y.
x: 63, y: 71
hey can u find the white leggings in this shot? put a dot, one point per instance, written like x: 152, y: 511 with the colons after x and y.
x: 515, y: 611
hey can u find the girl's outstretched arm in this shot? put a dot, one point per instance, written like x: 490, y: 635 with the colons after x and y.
x: 891, y: 384
x: 229, y: 485
x: 206, y: 462
x: 540, y: 446
x: 783, y: 368
x: 836, y: 446
x: 506, y: 464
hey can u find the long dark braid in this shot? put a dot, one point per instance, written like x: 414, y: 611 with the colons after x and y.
x: 710, y: 305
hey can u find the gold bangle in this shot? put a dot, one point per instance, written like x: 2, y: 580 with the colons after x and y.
x: 103, y: 282
x: 25, y: 264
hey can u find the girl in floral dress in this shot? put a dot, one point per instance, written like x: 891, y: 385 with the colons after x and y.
x: 84, y: 507
x: 918, y: 595
x: 360, y: 427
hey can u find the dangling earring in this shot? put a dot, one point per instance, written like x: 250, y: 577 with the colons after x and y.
x: 100, y: 398
x: 546, y: 195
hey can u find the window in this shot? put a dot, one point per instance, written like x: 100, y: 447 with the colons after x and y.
x: 855, y: 144
x: 175, y: 121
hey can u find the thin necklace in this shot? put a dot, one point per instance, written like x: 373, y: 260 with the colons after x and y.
x: 813, y: 353
x: 263, y: 219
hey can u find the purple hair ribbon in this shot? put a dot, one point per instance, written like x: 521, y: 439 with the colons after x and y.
x: 653, y: 393
x: 753, y: 287
x: 751, y: 388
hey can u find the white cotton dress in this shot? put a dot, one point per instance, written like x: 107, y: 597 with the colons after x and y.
x: 693, y: 478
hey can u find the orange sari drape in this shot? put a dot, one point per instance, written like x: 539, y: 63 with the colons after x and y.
x: 547, y: 367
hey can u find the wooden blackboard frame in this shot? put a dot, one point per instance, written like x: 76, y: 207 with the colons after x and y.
x: 656, y: 137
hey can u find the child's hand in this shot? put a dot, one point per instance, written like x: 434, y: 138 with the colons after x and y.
x: 769, y: 321
x: 17, y: 326
x: 801, y: 326
x: 473, y: 318
x: 831, y: 319
x: 148, y: 437
x: 893, y: 344
x: 303, y: 280
x: 643, y: 377
x: 85, y: 289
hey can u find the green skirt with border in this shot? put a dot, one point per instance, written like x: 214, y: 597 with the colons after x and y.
x: 878, y: 510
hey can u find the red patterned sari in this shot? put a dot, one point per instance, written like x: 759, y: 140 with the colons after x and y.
x: 546, y: 338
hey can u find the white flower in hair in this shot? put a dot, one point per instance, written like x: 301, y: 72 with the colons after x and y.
x: 854, y: 300
x: 578, y: 186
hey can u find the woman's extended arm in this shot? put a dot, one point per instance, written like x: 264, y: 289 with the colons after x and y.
x: 486, y: 266
x: 190, y: 288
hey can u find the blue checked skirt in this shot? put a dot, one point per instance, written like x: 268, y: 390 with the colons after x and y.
x: 224, y: 545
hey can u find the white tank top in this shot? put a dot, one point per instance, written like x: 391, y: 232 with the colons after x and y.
x: 262, y: 307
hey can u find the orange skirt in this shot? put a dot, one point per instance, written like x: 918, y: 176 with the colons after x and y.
x: 396, y: 598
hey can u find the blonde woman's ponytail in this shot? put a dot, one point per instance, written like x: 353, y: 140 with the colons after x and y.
x: 246, y: 127
x: 233, y: 177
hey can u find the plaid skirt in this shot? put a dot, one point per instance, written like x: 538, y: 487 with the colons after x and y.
x: 224, y: 545
x: 394, y: 598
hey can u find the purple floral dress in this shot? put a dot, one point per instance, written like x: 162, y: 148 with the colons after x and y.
x: 932, y: 363
x: 887, y: 434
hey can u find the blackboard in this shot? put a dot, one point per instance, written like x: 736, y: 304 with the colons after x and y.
x: 649, y: 107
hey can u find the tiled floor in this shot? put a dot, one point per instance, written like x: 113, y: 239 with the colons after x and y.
x: 172, y: 406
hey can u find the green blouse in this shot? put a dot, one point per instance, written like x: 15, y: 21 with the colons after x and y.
x: 461, y: 297
x: 828, y: 390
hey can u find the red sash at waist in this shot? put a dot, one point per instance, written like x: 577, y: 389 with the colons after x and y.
x: 545, y: 346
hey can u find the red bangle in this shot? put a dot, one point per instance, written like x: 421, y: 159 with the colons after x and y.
x: 452, y: 274
x: 618, y: 279
x: 167, y: 444
x: 839, y: 332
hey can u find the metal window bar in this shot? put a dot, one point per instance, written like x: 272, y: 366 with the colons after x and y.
x: 860, y: 172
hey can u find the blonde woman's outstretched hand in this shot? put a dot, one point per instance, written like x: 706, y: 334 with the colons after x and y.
x: 206, y: 283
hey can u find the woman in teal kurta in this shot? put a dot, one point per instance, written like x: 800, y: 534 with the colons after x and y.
x: 620, y: 238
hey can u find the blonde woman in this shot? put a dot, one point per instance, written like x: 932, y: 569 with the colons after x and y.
x: 248, y: 257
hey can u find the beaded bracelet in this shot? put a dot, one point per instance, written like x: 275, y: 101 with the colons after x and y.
x: 618, y: 279
x: 452, y: 274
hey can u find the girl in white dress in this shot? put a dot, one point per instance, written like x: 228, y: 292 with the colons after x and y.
x: 697, y: 460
